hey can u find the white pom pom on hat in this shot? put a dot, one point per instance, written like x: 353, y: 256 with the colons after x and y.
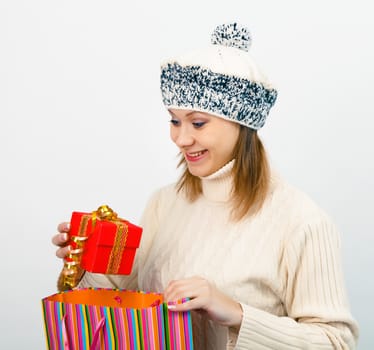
x: 221, y: 79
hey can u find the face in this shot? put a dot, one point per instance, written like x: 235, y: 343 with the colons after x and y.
x: 206, y: 142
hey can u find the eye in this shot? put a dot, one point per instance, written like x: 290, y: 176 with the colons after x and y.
x: 174, y: 122
x: 198, y: 125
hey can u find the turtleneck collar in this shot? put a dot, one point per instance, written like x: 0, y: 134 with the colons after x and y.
x: 217, y: 186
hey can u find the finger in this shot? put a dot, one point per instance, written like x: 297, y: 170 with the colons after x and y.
x: 193, y: 304
x: 175, y: 295
x: 63, y: 227
x: 186, y: 288
x: 62, y: 252
x: 60, y: 239
x: 182, y: 284
x: 176, y: 290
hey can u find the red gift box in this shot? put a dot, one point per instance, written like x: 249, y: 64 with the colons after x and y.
x: 104, y: 243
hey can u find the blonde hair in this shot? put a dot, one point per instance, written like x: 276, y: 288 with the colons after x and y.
x: 251, y: 176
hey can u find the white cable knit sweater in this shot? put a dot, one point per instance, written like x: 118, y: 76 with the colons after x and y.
x: 283, y: 266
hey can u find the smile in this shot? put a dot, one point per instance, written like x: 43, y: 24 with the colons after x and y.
x: 194, y: 156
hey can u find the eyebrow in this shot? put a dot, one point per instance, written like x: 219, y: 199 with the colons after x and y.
x: 187, y: 115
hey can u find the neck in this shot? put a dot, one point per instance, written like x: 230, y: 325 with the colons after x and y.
x: 217, y: 186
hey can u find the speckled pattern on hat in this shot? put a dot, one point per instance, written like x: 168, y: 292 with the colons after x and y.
x: 231, y: 97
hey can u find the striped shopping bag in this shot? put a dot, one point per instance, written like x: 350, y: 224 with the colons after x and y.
x: 111, y: 319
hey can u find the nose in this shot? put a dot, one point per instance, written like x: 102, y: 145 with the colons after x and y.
x: 182, y: 136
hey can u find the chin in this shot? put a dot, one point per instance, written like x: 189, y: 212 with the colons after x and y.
x: 199, y: 172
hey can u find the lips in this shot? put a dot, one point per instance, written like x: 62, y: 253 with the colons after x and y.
x: 194, y: 156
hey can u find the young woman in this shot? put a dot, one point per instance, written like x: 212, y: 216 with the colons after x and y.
x: 258, y: 259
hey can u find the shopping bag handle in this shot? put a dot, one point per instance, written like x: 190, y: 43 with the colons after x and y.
x: 65, y: 333
x: 95, y: 339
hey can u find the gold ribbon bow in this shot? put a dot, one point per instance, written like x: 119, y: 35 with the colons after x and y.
x: 104, y: 213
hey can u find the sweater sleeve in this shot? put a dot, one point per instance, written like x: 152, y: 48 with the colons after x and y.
x: 148, y: 222
x: 318, y: 315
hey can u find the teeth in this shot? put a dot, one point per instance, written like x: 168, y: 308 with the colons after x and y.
x: 196, y: 154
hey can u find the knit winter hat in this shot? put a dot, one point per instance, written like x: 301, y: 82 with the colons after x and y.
x: 221, y: 79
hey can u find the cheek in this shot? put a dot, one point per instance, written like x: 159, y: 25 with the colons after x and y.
x: 173, y: 134
x: 231, y: 139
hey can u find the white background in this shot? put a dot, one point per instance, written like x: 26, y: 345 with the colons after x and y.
x: 82, y: 124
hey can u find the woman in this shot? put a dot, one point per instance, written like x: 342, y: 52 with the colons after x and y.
x: 257, y: 258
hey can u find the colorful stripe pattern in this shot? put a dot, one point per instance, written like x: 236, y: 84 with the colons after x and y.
x: 108, y: 319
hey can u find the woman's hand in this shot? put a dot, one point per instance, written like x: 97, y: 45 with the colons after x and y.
x: 61, y: 239
x: 204, y: 296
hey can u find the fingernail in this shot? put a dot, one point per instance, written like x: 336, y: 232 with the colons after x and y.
x: 171, y: 307
x: 65, y: 236
x: 68, y: 226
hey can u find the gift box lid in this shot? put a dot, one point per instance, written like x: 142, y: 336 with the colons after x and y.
x: 105, y: 234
